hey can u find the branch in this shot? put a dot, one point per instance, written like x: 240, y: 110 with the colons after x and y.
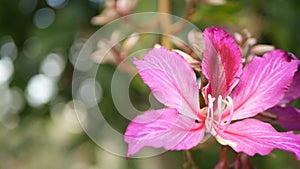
x: 189, y: 161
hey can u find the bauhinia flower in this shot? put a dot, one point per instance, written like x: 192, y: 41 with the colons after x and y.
x: 234, y: 94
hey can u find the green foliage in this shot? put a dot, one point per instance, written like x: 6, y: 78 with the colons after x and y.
x: 220, y: 14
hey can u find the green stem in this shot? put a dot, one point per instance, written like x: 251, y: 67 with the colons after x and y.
x: 165, y: 22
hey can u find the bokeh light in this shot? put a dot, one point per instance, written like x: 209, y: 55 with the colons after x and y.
x: 53, y: 65
x: 40, y: 90
x: 43, y: 18
x: 6, y: 70
x: 11, y: 104
x: 57, y: 3
x: 85, y: 62
x: 90, y: 92
x: 8, y: 48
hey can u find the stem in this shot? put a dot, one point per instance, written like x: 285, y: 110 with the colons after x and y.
x: 222, y: 164
x: 189, y: 161
x: 241, y: 161
x: 165, y: 22
x: 121, y: 62
x: 190, y: 10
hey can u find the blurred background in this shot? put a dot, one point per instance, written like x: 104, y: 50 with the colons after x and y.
x: 39, y: 43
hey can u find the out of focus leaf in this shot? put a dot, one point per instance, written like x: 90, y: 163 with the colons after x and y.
x: 226, y: 13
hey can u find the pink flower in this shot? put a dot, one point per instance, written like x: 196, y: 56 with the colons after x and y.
x: 233, y: 95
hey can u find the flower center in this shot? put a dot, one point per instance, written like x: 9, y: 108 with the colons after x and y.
x: 217, y: 107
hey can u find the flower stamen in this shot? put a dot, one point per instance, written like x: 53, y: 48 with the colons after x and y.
x: 210, y: 113
x: 227, y: 108
x: 215, y: 120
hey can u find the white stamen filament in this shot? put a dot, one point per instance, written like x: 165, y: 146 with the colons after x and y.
x: 219, y: 111
x: 210, y: 113
x: 229, y: 106
x: 212, y: 125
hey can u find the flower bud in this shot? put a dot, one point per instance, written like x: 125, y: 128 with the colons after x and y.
x: 215, y: 2
x: 261, y: 49
x: 106, y: 16
x: 124, y: 7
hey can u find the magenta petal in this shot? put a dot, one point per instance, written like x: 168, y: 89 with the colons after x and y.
x: 222, y: 61
x: 171, y: 80
x: 162, y: 128
x: 287, y: 117
x: 293, y: 91
x: 263, y: 83
x: 252, y: 136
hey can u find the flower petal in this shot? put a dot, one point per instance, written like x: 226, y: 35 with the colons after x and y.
x: 293, y: 91
x: 263, y: 83
x: 287, y: 117
x: 163, y: 128
x: 222, y: 62
x: 171, y: 80
x: 252, y: 136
